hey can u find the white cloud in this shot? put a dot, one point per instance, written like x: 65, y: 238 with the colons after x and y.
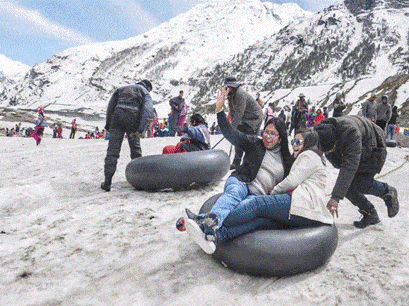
x: 40, y: 24
x: 180, y: 6
x: 321, y: 4
x: 137, y: 17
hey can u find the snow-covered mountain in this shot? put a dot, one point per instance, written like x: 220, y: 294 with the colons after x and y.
x: 11, y: 71
x: 356, y: 47
x: 82, y: 79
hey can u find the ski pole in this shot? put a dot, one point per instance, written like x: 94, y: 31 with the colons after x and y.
x: 218, y: 143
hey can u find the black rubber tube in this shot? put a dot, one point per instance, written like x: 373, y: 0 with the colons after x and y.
x: 177, y: 171
x: 391, y: 143
x: 278, y: 252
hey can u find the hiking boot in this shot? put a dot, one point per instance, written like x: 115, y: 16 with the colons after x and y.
x: 368, y: 218
x: 391, y: 201
x: 106, y: 187
x: 193, y: 216
x: 196, y: 233
x: 210, y: 225
x: 211, y: 220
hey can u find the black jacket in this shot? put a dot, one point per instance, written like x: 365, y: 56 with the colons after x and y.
x: 252, y: 146
x: 360, y: 148
x: 176, y: 104
x: 135, y: 99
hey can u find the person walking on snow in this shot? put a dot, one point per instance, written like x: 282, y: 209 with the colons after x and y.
x: 176, y: 105
x: 383, y: 113
x: 356, y: 146
x: 300, y: 113
x: 339, y: 105
x: 40, y: 124
x: 74, y: 127
x: 129, y: 111
x: 390, y: 130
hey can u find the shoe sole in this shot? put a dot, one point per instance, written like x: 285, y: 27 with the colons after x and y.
x: 357, y: 225
x: 194, y: 231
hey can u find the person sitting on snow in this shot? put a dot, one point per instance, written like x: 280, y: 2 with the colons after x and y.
x: 196, y: 137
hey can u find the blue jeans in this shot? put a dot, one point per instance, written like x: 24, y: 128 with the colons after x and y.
x: 390, y: 130
x: 364, y: 183
x: 262, y: 212
x: 235, y: 193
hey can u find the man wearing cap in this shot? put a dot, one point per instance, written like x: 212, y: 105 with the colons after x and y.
x: 339, y: 105
x: 245, y: 112
x: 369, y: 108
x: 300, y: 113
x: 129, y: 111
x: 356, y: 146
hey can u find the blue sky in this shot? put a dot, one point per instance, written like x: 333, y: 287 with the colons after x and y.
x: 31, y: 31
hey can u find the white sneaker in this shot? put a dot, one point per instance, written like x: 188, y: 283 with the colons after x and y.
x: 195, y: 232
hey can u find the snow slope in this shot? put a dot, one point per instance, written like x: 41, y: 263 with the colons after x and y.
x: 64, y: 241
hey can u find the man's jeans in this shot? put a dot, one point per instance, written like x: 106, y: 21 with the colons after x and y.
x: 390, y: 130
x: 261, y: 212
x: 364, y: 183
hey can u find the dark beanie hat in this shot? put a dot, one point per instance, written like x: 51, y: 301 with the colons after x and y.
x: 147, y: 84
x: 231, y: 81
x: 327, y: 135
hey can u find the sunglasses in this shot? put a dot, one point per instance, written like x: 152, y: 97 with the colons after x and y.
x: 271, y: 134
x: 297, y: 142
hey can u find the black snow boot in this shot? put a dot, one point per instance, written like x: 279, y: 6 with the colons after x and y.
x: 391, y: 201
x: 106, y: 186
x: 368, y: 218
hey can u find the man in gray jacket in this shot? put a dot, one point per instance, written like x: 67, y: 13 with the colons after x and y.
x: 129, y: 111
x: 384, y: 113
x: 356, y: 146
x: 176, y: 105
x: 246, y: 113
x: 369, y: 108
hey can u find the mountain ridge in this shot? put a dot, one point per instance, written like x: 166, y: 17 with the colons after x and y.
x: 354, y: 47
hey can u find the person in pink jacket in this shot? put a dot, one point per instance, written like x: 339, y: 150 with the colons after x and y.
x: 40, y: 124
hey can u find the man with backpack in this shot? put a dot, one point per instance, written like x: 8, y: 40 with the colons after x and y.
x: 129, y: 111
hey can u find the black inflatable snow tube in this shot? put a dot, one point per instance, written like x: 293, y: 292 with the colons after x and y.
x: 391, y: 143
x: 177, y: 171
x: 279, y: 252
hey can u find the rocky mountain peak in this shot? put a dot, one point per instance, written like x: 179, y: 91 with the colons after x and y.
x: 359, y: 6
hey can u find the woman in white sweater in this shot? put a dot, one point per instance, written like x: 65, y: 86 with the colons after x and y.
x: 297, y: 201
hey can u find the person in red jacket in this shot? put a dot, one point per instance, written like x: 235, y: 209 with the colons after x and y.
x: 74, y: 127
x: 320, y: 116
x: 59, y: 132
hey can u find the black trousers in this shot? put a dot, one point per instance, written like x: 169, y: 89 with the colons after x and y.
x: 175, y: 123
x: 123, y: 122
x: 364, y: 183
x: 238, y: 153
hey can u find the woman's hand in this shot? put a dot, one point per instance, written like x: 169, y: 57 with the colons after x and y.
x: 333, y: 207
x: 221, y: 98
